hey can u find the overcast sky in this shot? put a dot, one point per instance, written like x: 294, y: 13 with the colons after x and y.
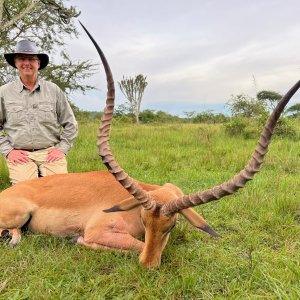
x: 195, y: 53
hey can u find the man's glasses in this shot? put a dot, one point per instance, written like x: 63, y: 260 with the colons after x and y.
x: 29, y: 58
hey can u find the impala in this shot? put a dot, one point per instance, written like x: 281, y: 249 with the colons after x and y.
x: 109, y: 209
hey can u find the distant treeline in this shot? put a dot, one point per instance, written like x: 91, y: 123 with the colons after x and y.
x: 152, y: 116
x: 236, y: 124
x: 245, y: 111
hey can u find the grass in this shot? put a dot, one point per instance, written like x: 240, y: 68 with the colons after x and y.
x: 257, y: 258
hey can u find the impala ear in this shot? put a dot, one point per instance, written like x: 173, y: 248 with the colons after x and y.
x: 124, y: 205
x: 197, y: 221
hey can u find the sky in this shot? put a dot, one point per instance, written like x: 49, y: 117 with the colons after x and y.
x: 196, y: 54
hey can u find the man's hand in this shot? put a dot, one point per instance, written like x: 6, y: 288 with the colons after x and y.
x: 54, y: 154
x: 18, y: 157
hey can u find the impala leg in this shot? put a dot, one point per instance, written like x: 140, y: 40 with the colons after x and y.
x: 81, y: 241
x: 111, y: 236
x: 15, y: 237
x: 109, y: 241
x: 14, y: 213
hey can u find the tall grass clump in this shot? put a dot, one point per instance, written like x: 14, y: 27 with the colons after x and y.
x: 250, y: 128
x: 258, y: 256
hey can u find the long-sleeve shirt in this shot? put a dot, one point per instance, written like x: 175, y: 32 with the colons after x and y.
x: 35, y: 119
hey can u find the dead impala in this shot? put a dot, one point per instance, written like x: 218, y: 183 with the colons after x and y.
x: 110, y: 210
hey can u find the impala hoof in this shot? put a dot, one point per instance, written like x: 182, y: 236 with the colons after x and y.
x: 73, y: 240
x: 5, y: 234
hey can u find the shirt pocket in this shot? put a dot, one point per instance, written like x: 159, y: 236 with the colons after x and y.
x: 15, y: 114
x: 47, y: 113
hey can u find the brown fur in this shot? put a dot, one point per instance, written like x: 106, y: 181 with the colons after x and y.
x: 73, y: 204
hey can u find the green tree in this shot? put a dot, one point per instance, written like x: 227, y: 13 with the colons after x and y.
x: 209, y: 117
x: 121, y: 110
x: 190, y: 114
x: 47, y: 22
x: 245, y: 106
x: 152, y: 116
x: 268, y: 99
x: 133, y: 89
x: 294, y: 110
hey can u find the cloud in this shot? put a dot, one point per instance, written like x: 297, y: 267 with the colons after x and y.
x: 193, y: 52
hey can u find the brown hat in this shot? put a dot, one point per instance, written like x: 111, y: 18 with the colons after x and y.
x: 27, y: 47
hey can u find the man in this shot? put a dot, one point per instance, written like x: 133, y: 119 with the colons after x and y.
x: 37, y: 125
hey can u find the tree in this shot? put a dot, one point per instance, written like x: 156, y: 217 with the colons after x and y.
x: 268, y: 99
x: 209, y: 117
x: 47, y: 22
x: 190, y: 114
x: 152, y: 116
x: 294, y: 110
x: 133, y: 89
x: 121, y: 110
x: 245, y: 106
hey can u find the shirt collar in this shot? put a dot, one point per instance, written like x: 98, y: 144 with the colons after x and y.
x: 21, y: 87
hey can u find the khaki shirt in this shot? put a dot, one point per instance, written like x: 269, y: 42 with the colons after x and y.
x: 35, y: 119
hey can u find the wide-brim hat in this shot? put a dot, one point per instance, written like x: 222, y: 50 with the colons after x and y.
x: 27, y: 47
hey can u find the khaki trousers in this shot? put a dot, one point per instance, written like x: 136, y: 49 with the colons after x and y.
x: 38, y: 166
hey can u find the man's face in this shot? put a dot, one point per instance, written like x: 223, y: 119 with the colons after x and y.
x: 27, y: 65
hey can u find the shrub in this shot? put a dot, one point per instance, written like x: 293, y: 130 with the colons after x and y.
x: 251, y: 128
x: 286, y: 128
x: 209, y: 117
x: 152, y: 116
x: 236, y: 126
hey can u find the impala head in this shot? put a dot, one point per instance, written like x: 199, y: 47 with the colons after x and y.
x: 157, y: 231
x: 161, y: 207
x: 158, y: 226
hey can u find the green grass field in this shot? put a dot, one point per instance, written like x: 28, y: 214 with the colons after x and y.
x: 257, y: 258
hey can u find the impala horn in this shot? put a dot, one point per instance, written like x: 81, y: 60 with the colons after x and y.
x: 238, y: 181
x: 103, y: 140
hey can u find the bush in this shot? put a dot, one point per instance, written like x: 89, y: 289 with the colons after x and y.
x: 251, y: 128
x: 209, y: 117
x: 152, y: 116
x: 286, y: 128
x: 236, y: 126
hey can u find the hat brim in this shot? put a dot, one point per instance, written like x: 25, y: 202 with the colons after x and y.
x: 44, y: 59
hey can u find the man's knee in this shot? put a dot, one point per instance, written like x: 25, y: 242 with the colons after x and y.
x: 21, y: 172
x: 56, y: 167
